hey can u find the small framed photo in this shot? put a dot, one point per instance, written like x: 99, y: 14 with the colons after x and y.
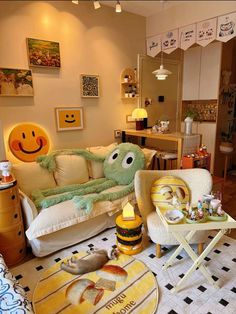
x: 129, y: 118
x: 89, y: 86
x: 16, y: 82
x: 43, y: 53
x: 69, y: 118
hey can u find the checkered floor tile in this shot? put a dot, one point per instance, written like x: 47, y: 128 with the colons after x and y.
x: 197, y: 296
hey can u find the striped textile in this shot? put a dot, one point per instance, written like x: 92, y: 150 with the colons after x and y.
x: 138, y: 294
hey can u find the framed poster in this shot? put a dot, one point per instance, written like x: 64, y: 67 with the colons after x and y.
x: 89, y: 85
x: 16, y: 82
x: 43, y: 53
x: 69, y: 118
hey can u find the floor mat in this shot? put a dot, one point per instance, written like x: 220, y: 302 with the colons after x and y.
x: 196, y: 296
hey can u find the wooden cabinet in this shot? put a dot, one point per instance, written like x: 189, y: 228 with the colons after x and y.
x: 129, y: 84
x: 201, y: 72
x: 12, y: 237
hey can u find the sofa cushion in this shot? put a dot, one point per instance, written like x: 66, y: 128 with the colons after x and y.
x: 95, y: 167
x: 149, y: 154
x: 71, y: 169
x: 30, y: 176
x: 65, y: 214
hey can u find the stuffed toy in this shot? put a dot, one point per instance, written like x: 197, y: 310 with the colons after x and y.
x: 119, y: 167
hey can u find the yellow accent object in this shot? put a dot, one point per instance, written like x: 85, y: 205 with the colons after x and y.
x: 49, y: 294
x: 28, y: 141
x: 129, y: 235
x: 168, y: 191
x: 128, y: 212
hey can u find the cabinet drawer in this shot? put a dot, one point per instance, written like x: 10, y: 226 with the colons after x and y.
x: 10, y: 217
x: 14, y: 253
x: 11, y: 235
x: 9, y: 198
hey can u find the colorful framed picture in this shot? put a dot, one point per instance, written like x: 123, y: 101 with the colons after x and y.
x: 16, y: 82
x: 43, y: 53
x: 89, y: 86
x: 69, y: 118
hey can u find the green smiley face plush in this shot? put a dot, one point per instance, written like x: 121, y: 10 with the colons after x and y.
x: 119, y: 167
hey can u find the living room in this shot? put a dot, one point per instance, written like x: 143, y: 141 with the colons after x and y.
x: 97, y: 45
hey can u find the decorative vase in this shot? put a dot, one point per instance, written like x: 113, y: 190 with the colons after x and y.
x: 188, y: 124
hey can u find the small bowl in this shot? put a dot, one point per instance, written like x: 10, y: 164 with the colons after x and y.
x: 174, y: 216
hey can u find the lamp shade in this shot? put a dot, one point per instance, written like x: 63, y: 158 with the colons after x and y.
x: 162, y: 73
x: 139, y: 113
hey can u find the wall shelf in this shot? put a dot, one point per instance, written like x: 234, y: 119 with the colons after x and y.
x: 129, y: 85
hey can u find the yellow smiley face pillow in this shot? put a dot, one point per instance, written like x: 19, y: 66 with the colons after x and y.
x: 170, y: 192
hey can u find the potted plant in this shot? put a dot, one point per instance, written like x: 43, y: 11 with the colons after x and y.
x: 190, y: 115
x: 226, y: 145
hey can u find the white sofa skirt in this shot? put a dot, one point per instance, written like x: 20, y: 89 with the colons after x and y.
x: 74, y: 234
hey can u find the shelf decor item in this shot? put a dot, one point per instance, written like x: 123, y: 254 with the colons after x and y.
x: 69, y: 118
x: 16, y: 82
x: 43, y: 53
x: 89, y: 86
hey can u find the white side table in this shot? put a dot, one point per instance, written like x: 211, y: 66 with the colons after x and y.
x: 177, y: 229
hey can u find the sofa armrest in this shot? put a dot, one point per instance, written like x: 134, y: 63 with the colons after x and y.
x: 199, y: 182
x: 29, y: 210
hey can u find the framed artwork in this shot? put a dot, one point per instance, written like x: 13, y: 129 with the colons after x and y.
x: 89, y: 85
x: 69, y: 118
x: 43, y: 53
x: 16, y: 82
x: 129, y: 118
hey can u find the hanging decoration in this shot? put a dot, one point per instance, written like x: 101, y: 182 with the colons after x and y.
x: 170, y: 41
x: 226, y: 27
x: 187, y: 36
x: 154, y: 45
x: 221, y: 28
x: 206, y: 32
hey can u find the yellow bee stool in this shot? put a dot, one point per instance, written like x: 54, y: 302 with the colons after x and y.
x: 129, y: 235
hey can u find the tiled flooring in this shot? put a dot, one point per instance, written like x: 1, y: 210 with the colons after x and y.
x: 197, y: 296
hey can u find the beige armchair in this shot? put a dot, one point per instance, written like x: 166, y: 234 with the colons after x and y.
x: 199, y: 182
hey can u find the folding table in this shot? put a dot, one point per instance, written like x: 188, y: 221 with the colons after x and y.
x: 177, y: 229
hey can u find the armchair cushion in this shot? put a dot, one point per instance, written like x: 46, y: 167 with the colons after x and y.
x: 168, y: 191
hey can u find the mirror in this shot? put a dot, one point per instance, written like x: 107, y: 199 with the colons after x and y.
x: 151, y: 88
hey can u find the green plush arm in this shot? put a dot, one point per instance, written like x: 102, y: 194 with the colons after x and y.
x: 85, y: 203
x: 49, y: 161
x: 95, y: 186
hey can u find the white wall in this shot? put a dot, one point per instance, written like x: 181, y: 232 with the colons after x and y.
x: 187, y: 13
x: 91, y: 42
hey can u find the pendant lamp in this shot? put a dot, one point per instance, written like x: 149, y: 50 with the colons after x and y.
x: 161, y: 73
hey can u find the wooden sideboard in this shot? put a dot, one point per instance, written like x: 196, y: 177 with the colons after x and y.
x: 12, y: 236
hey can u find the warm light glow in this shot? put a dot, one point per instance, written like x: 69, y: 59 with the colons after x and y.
x: 139, y: 113
x: 128, y: 212
x: 118, y: 7
x: 161, y: 74
x: 75, y: 1
x: 97, y: 5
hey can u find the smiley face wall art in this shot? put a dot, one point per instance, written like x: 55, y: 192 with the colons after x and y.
x: 28, y: 141
x: 69, y: 118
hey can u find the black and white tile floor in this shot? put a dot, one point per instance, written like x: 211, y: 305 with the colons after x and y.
x: 197, y: 295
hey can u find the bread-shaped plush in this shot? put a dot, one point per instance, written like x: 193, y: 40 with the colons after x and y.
x: 74, y: 292
x: 93, y: 295
x: 112, y: 272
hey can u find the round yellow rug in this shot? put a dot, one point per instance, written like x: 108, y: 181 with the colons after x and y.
x: 137, y: 294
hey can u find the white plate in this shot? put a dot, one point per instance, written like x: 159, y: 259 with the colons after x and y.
x: 174, y: 216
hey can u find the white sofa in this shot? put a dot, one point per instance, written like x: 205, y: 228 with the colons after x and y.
x: 61, y: 225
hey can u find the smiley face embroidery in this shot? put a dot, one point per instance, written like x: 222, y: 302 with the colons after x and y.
x: 27, y: 141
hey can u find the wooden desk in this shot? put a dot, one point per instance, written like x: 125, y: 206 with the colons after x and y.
x: 173, y: 137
